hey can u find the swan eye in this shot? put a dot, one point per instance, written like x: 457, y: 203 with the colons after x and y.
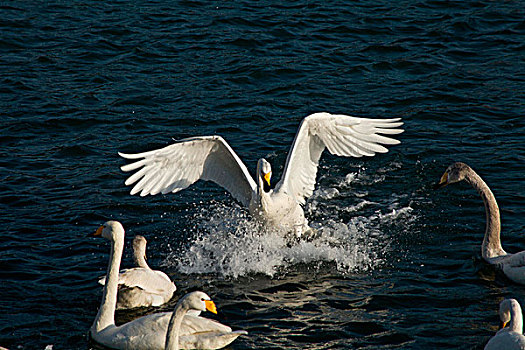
x: 202, y: 299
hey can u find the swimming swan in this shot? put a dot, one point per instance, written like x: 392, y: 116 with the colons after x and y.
x: 141, y: 286
x: 151, y: 331
x: 511, y: 337
x: 175, y: 167
x: 512, y: 265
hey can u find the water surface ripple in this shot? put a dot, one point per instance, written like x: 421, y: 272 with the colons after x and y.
x: 398, y: 265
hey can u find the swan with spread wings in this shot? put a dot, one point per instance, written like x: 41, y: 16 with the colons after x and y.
x: 177, y: 166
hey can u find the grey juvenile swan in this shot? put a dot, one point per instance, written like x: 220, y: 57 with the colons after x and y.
x: 142, y: 286
x: 512, y: 265
x: 159, y: 330
x: 175, y: 167
x: 511, y: 337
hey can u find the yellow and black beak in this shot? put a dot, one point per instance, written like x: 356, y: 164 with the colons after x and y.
x: 267, y: 177
x: 97, y: 233
x: 210, y: 306
x: 502, y: 324
x: 442, y: 182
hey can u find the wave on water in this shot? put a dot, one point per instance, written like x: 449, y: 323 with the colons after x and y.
x: 226, y: 242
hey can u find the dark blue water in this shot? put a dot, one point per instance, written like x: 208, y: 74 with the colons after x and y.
x: 398, y: 265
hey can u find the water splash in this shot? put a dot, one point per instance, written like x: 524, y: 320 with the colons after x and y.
x: 230, y: 244
x: 225, y: 241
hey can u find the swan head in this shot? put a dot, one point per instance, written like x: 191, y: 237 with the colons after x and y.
x: 505, y: 308
x: 198, y: 301
x: 139, y: 245
x: 455, y: 172
x: 265, y: 173
x: 111, y: 230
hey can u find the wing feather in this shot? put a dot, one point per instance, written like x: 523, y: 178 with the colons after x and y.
x: 347, y: 131
x: 134, y: 166
x: 136, y: 176
x: 175, y: 167
x: 343, y: 135
x: 366, y: 148
x: 161, y: 183
x: 152, y: 180
x: 140, y: 185
x: 175, y: 185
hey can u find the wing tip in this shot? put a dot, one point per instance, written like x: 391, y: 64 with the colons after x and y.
x: 125, y: 155
x: 134, y: 191
x: 127, y: 167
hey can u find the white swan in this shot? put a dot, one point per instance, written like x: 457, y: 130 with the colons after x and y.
x: 512, y: 265
x: 511, y: 337
x: 150, y: 331
x: 175, y: 167
x: 141, y: 286
x: 196, y: 302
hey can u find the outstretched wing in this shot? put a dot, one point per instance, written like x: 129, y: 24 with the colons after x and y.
x: 343, y: 135
x: 175, y: 167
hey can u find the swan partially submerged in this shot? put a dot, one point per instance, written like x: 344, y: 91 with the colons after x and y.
x: 142, y: 286
x: 175, y: 167
x: 172, y: 330
x: 512, y: 265
x: 510, y: 336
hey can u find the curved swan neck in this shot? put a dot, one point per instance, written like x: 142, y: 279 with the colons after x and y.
x: 106, y: 312
x: 139, y: 258
x: 141, y: 262
x: 516, y: 319
x: 491, y: 242
x: 172, y: 335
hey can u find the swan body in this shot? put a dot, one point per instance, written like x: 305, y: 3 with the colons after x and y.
x: 141, y: 286
x: 511, y: 337
x: 196, y: 301
x: 150, y: 331
x: 175, y: 167
x: 512, y: 265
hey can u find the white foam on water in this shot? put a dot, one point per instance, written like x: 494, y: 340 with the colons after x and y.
x: 225, y: 241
